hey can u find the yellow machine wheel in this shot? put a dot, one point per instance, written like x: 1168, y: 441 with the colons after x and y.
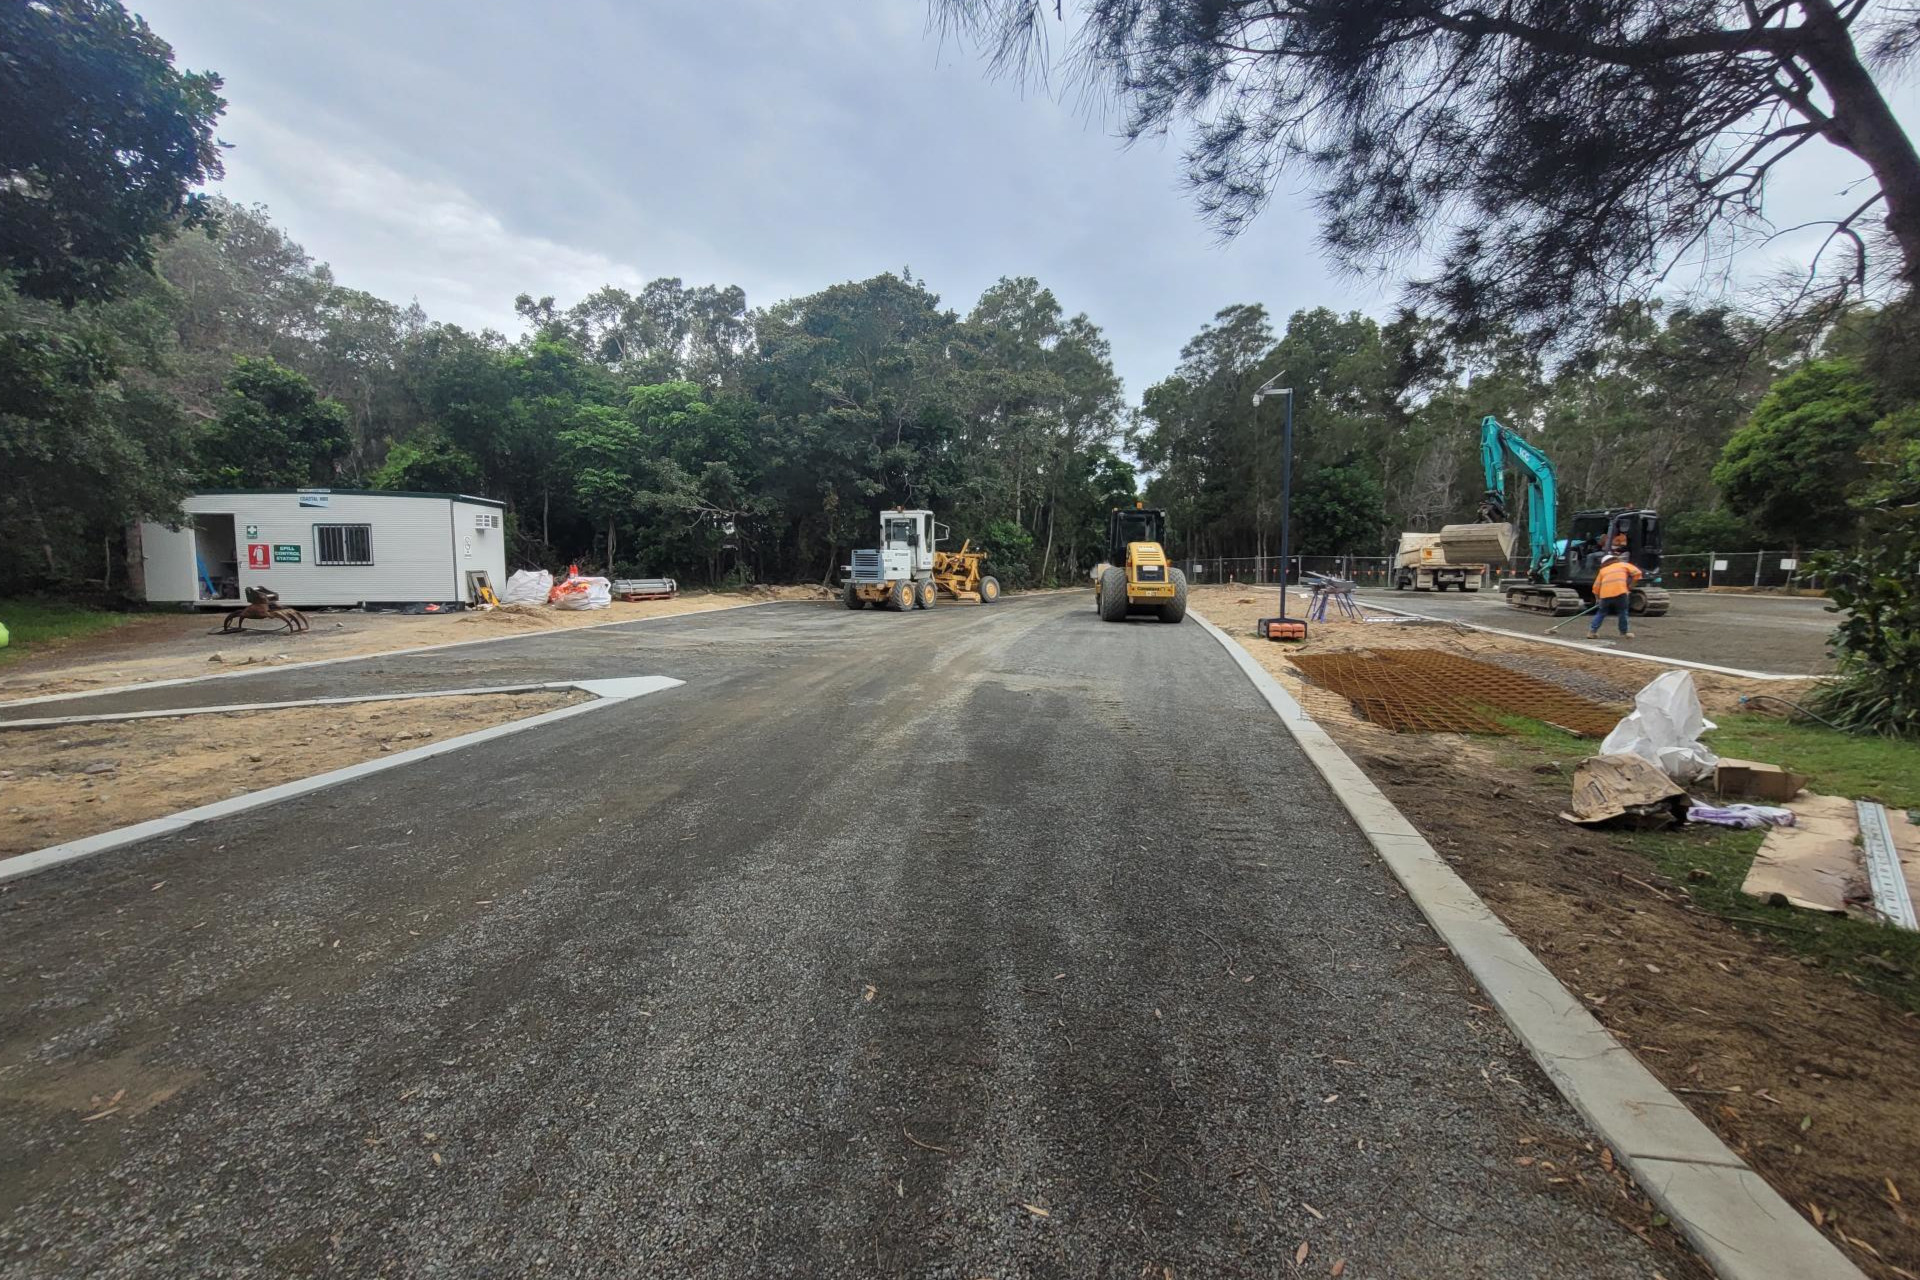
x: 1113, y: 595
x: 901, y: 597
x: 989, y: 590
x: 923, y: 595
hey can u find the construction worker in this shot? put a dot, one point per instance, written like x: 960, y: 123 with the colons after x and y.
x: 1613, y: 592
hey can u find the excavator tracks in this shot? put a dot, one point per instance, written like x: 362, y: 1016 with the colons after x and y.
x: 1557, y: 601
x: 1650, y: 602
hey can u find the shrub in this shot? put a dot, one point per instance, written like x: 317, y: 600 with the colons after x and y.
x: 1877, y: 644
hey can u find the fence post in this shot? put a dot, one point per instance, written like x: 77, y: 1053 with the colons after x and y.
x: 1712, y: 559
x: 1759, y: 559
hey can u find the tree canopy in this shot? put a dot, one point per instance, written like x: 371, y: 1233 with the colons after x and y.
x: 103, y: 146
x: 1790, y: 468
x: 1545, y: 156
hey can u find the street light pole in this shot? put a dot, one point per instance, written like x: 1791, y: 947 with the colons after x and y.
x: 1282, y: 627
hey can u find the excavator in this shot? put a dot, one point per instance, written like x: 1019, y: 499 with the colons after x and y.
x: 1560, y: 571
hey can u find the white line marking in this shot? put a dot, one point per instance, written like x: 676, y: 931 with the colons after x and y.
x: 265, y: 668
x: 607, y: 693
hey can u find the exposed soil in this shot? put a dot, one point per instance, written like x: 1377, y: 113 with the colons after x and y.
x: 63, y: 783
x: 1813, y: 1081
x: 172, y: 647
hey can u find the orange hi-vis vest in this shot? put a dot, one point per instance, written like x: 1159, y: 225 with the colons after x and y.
x: 1615, y: 579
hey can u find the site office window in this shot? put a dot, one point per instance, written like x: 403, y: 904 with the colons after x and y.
x: 342, y: 544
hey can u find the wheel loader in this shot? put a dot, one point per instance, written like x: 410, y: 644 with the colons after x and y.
x: 1136, y: 578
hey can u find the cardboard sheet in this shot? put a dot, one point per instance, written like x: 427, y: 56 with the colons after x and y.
x: 1624, y: 787
x: 1817, y: 865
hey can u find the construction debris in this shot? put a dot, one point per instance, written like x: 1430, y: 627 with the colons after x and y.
x: 1625, y: 790
x: 1665, y: 728
x: 1750, y: 780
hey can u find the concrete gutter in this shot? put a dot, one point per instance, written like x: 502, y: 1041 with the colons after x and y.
x: 605, y: 693
x: 1587, y: 648
x: 1744, y: 1229
x: 265, y: 667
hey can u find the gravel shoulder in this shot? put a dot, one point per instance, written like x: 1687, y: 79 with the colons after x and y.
x: 69, y: 781
x: 979, y: 942
x: 182, y: 646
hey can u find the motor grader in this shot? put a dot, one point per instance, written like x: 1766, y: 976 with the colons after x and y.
x: 961, y: 575
x: 909, y: 571
x: 1136, y: 578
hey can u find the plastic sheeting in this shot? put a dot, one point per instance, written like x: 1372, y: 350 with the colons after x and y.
x: 1664, y: 728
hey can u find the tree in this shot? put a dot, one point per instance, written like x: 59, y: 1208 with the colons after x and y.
x: 87, y: 443
x: 429, y: 463
x: 1338, y: 510
x: 1561, y: 151
x: 1788, y: 470
x: 605, y: 456
x: 1700, y: 531
x: 272, y: 432
x: 103, y: 144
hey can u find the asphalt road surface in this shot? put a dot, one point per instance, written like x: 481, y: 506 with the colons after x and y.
x: 1781, y: 635
x: 985, y: 942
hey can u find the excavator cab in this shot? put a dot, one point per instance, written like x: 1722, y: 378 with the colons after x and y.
x: 1136, y: 576
x: 1634, y: 534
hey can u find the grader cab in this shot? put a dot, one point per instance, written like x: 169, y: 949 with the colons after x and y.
x: 1136, y: 576
x: 909, y: 571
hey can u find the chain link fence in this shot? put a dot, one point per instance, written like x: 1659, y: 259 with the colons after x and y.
x: 1753, y: 570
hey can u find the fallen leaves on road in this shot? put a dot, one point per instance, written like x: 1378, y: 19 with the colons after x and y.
x: 1315, y: 1212
x: 1035, y: 1210
x: 1300, y: 1254
x: 869, y: 992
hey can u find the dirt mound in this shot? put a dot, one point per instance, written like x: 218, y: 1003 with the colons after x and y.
x: 509, y: 617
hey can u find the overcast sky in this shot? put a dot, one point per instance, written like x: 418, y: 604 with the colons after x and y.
x: 463, y: 153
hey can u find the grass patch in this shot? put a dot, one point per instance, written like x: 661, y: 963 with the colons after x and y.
x: 36, y: 622
x: 1840, y: 764
x: 1881, y: 958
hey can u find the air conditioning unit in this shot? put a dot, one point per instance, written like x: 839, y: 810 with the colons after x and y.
x: 486, y: 520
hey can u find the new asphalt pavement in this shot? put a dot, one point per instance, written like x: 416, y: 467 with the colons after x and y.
x: 980, y: 942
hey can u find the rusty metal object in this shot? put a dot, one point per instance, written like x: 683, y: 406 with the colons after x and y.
x: 264, y: 605
x: 1423, y: 691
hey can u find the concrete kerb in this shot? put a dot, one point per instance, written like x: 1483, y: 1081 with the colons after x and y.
x: 605, y: 693
x: 1744, y: 1229
x: 1587, y: 648
x: 231, y: 708
x: 264, y: 668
